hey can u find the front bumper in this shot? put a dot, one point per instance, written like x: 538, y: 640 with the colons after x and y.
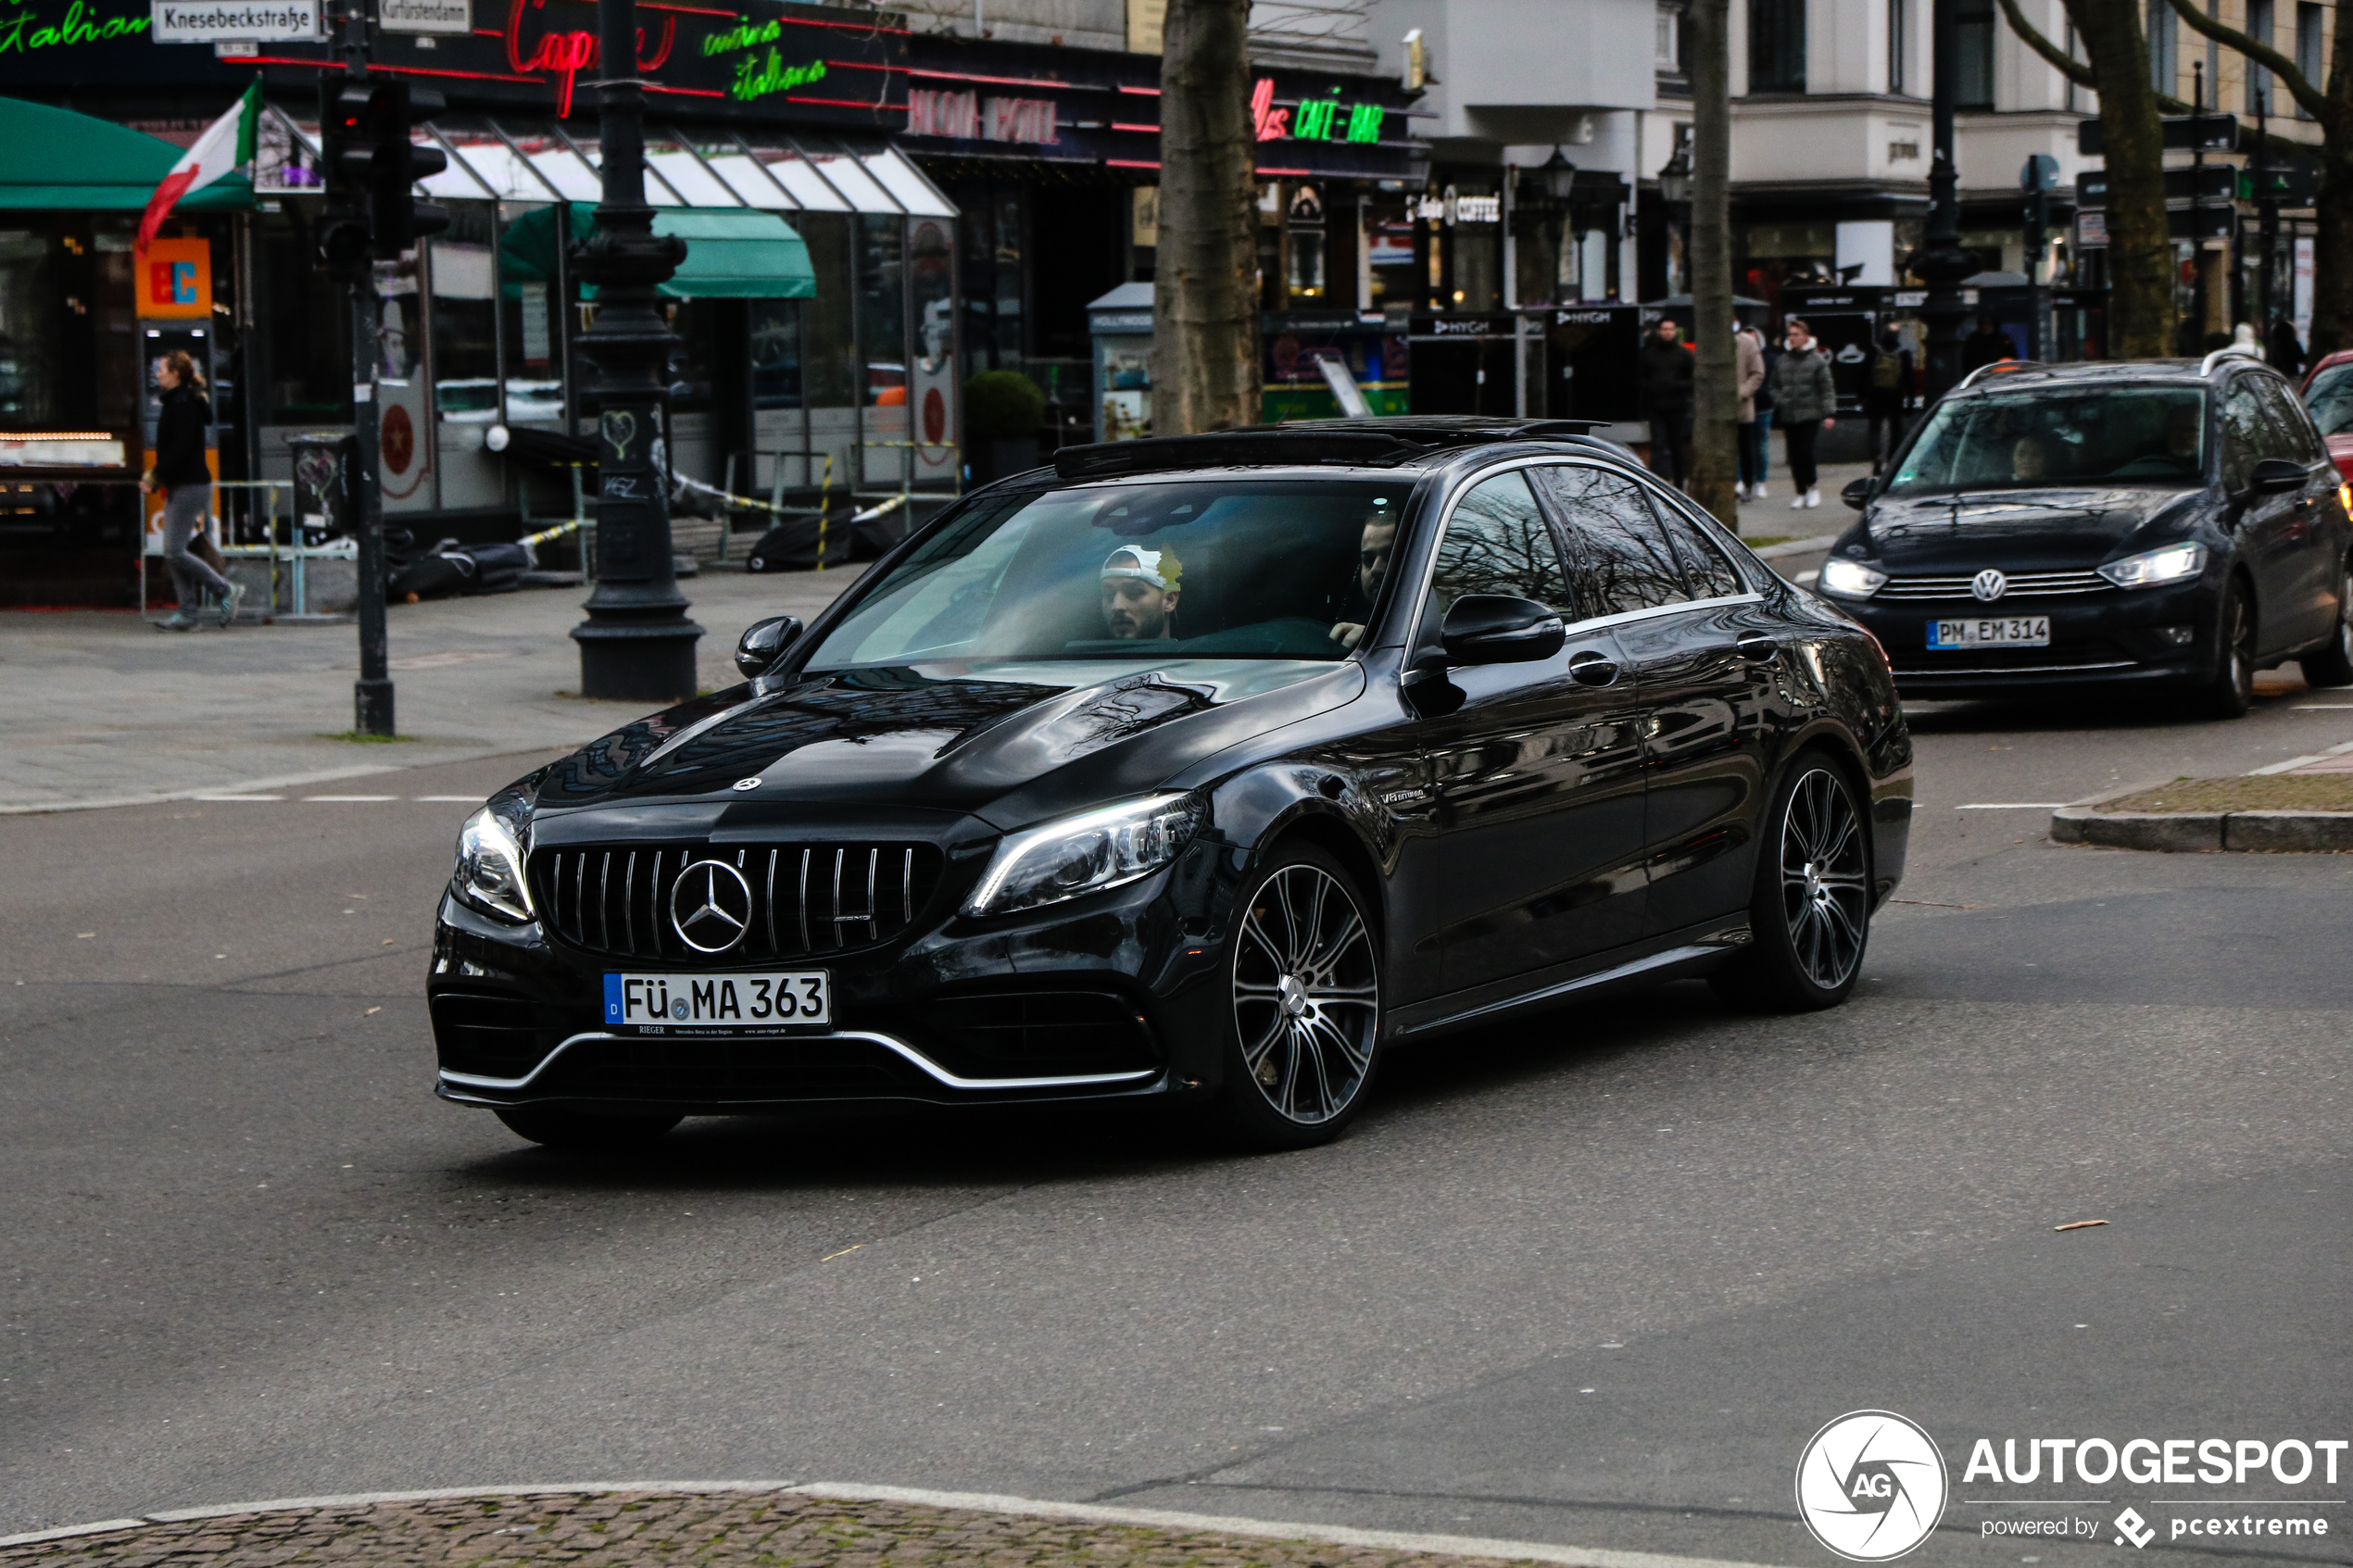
x: 1112, y: 996
x: 2106, y: 638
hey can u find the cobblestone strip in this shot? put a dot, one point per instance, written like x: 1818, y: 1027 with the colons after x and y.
x: 761, y: 1529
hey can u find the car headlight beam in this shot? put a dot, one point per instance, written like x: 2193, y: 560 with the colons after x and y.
x: 2169, y: 563
x: 1850, y: 579
x: 489, y: 871
x: 1084, y: 854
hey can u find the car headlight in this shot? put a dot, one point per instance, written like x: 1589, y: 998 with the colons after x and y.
x: 1850, y: 578
x: 2148, y: 568
x: 1084, y: 854
x: 489, y: 873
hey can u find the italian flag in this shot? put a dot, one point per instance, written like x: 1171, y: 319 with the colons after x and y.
x: 226, y: 145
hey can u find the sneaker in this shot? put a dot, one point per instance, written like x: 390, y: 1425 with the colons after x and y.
x: 230, y: 601
x: 1813, y: 497
x: 1759, y: 493
x: 1739, y: 492
x: 1797, y: 501
x: 178, y: 620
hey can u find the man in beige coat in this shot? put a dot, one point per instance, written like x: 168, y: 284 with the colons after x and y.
x: 1748, y: 367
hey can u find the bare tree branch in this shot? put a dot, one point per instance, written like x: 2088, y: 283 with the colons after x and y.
x: 2270, y: 59
x: 2074, y: 70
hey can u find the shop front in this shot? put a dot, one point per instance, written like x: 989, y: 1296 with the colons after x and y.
x: 816, y: 313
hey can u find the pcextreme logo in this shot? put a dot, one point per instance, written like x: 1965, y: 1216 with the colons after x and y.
x: 1871, y: 1485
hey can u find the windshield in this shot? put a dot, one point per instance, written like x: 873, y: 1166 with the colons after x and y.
x: 2044, y: 438
x: 2331, y: 400
x: 1229, y: 569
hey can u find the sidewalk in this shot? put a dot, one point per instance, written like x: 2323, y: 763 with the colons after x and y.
x: 100, y: 709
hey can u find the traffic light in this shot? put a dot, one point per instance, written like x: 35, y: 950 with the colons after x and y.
x: 395, y: 217
x: 344, y: 159
x: 371, y: 165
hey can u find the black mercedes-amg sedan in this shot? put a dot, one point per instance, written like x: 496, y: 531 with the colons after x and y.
x: 2168, y: 526
x: 1205, y: 769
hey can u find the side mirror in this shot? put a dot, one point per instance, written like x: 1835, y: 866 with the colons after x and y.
x: 1496, y: 629
x: 1858, y: 492
x: 2277, y: 476
x: 763, y: 643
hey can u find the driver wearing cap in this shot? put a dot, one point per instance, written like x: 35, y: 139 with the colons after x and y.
x: 1139, y: 593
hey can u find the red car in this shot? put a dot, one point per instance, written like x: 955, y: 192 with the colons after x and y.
x: 2328, y: 392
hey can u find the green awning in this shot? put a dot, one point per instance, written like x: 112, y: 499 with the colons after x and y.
x: 732, y: 253
x: 57, y: 159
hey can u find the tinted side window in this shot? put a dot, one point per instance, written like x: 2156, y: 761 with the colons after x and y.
x: 1497, y: 542
x: 2297, y: 440
x: 2246, y: 435
x: 1623, y: 559
x: 1705, y: 571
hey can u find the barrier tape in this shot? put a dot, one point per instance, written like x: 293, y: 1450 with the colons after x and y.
x: 749, y: 504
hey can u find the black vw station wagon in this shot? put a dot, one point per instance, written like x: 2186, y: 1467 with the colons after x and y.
x: 2162, y: 525
x: 1204, y: 769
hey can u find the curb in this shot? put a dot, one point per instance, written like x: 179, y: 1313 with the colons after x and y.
x: 2192, y: 832
x: 979, y: 1503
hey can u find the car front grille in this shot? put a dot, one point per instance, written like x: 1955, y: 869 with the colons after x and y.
x: 2020, y: 585
x: 805, y: 898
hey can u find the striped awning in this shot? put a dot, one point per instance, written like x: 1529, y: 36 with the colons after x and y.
x: 771, y: 173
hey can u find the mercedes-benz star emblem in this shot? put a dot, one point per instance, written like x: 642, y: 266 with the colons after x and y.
x: 1989, y: 585
x: 711, y: 906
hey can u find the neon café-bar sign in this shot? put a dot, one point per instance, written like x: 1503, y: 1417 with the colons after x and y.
x: 1315, y: 120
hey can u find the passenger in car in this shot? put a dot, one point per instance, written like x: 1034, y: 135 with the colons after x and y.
x: 1372, y: 569
x: 2037, y: 457
x: 1141, y: 589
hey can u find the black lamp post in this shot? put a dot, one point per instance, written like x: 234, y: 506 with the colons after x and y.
x: 637, y: 643
x: 1675, y: 190
x: 1940, y: 262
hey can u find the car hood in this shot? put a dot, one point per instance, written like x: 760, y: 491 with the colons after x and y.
x: 2054, y: 529
x: 1008, y: 743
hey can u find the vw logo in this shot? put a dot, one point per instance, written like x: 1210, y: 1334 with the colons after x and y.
x: 1989, y: 585
x: 711, y: 906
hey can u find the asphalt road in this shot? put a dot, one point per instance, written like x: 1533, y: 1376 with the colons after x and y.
x: 1593, y: 1281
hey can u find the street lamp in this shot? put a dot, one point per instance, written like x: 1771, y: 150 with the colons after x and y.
x: 1559, y: 176
x: 1940, y: 262
x: 1675, y: 190
x: 637, y: 643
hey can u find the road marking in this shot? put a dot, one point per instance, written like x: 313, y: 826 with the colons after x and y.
x: 1262, y: 1529
x: 236, y: 797
x: 2011, y: 806
x: 2294, y: 763
x: 454, y: 799
x: 1805, y: 577
x: 2322, y: 708
x: 343, y: 798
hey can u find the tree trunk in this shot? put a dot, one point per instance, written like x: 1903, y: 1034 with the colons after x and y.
x: 1714, y: 462
x: 2140, y: 246
x: 1205, y: 282
x: 2332, y: 254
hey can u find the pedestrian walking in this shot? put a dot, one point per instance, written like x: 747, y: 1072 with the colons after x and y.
x: 1888, y: 376
x: 186, y: 483
x: 1804, y: 401
x: 2286, y: 354
x: 1987, y: 346
x: 1748, y: 369
x: 1663, y: 382
x: 1764, y: 401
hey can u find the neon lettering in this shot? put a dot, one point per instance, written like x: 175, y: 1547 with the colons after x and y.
x: 757, y: 78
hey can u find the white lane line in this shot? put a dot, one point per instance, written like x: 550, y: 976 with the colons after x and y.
x: 2294, y: 763
x: 1033, y: 1508
x: 1805, y: 577
x: 236, y: 797
x: 341, y: 797
x: 2011, y: 806
x: 453, y: 799
x: 2322, y: 708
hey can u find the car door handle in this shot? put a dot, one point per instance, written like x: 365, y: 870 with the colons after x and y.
x: 1756, y: 646
x: 1590, y: 668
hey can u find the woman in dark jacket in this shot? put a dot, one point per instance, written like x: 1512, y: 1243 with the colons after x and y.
x: 186, y: 483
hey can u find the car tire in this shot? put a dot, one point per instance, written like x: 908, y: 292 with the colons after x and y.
x: 1304, y: 1021
x: 1810, y: 915
x: 2231, y: 692
x: 2330, y: 664
x: 578, y: 1131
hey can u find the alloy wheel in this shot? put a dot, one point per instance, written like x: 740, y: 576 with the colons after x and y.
x: 1306, y: 994
x: 1825, y: 891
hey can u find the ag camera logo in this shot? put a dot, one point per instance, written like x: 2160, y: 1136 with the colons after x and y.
x: 1871, y: 1485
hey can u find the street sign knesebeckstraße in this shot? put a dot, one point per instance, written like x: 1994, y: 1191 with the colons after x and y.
x: 212, y: 22
x: 425, y: 16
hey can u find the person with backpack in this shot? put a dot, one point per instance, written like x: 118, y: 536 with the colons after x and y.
x: 1890, y: 373
x: 1806, y: 401
x: 185, y: 480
